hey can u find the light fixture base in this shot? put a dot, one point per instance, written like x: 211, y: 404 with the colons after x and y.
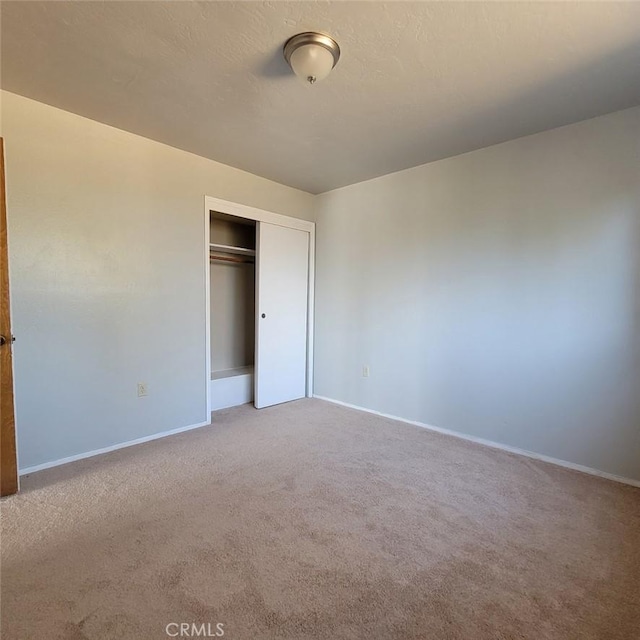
x: 314, y: 38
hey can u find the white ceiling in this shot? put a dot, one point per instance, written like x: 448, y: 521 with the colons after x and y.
x: 418, y: 81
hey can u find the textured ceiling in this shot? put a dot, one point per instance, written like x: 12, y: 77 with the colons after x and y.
x: 417, y: 81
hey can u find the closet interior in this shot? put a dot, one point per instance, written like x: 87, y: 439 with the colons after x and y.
x: 232, y: 254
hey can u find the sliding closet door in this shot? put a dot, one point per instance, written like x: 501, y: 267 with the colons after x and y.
x: 281, y: 314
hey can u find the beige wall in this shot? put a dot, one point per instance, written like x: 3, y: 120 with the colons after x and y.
x: 106, y: 233
x: 496, y: 293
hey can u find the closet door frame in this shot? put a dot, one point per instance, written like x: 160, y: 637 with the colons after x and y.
x: 258, y: 215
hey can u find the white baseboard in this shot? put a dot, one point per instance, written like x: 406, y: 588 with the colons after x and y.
x: 113, y: 447
x: 494, y: 445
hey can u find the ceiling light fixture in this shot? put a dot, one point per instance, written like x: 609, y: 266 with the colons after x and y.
x: 311, y: 55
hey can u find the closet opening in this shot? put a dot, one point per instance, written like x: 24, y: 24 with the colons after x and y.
x: 232, y: 254
x: 259, y: 309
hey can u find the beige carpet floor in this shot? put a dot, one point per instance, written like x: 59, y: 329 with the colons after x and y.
x: 313, y: 521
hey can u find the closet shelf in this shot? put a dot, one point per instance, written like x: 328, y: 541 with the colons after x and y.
x: 232, y: 373
x: 223, y: 248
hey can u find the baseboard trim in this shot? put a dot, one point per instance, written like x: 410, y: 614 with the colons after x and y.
x: 492, y: 444
x: 113, y: 447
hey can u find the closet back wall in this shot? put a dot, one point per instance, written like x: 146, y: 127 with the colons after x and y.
x: 107, y: 260
x: 496, y: 293
x: 232, y: 315
x: 232, y: 301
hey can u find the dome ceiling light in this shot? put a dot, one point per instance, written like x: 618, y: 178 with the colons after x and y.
x: 311, y: 55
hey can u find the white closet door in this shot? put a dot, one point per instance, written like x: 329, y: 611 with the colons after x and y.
x: 281, y: 314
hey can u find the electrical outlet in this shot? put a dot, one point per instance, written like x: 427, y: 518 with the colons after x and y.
x: 143, y: 389
x: 365, y: 371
